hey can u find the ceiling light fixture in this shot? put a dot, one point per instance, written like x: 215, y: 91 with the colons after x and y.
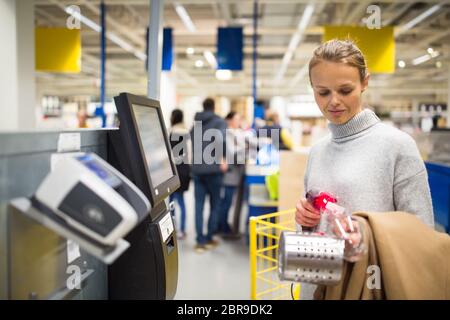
x: 209, y: 56
x: 224, y: 74
x: 190, y: 51
x: 295, y: 40
x: 421, y: 59
x: 184, y: 16
x: 402, y: 64
x: 199, y: 63
x: 424, y: 58
x: 419, y: 18
x: 434, y: 54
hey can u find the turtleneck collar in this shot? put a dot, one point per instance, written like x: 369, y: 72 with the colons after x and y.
x: 360, y: 122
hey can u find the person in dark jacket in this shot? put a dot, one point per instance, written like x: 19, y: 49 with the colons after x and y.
x: 208, y: 166
x: 179, y: 137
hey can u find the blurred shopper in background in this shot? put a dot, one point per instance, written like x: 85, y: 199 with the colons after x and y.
x: 273, y: 124
x: 208, y: 167
x: 367, y: 165
x: 179, y: 141
x: 82, y: 117
x: 236, y: 148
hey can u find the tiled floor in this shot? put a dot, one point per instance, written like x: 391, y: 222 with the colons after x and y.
x: 218, y: 274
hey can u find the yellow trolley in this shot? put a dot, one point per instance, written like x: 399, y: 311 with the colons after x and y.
x: 264, y: 234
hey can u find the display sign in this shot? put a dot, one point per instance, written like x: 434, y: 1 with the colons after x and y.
x: 230, y: 48
x: 58, y: 50
x: 377, y: 45
x: 167, y: 53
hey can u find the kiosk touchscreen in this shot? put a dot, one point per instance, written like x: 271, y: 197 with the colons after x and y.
x: 142, y: 146
x: 157, y: 156
x: 140, y: 149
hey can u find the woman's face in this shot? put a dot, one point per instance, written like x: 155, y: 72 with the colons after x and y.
x: 337, y: 90
x: 235, y: 122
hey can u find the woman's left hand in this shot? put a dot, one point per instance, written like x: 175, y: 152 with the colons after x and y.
x: 349, y: 229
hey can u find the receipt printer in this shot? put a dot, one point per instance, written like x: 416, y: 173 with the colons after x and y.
x: 93, y: 198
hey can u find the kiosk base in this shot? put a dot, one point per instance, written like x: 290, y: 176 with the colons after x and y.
x: 148, y: 270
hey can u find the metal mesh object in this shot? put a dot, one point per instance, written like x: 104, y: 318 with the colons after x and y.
x: 310, y: 258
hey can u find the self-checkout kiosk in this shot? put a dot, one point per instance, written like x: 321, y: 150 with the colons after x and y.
x: 140, y: 149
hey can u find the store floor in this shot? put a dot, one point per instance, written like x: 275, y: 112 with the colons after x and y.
x: 218, y: 274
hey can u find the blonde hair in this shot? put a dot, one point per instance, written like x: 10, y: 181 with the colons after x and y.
x: 343, y: 51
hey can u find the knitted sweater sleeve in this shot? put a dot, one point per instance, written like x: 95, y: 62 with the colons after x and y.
x: 411, y: 189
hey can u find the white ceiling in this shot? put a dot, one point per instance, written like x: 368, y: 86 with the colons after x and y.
x: 277, y: 22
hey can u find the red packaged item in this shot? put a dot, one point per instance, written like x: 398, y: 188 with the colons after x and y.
x: 319, y: 199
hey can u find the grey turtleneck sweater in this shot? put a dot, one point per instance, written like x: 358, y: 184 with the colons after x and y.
x: 371, y: 166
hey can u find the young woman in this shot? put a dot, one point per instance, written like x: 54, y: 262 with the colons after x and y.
x: 367, y: 165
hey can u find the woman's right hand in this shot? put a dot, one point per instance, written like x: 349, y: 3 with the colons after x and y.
x: 306, y: 215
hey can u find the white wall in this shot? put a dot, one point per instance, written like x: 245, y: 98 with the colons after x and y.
x: 17, y: 84
x: 27, y: 102
x: 225, y: 106
x: 168, y: 95
x: 278, y: 104
x: 8, y: 66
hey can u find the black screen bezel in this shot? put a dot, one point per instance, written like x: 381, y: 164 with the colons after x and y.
x: 134, y: 149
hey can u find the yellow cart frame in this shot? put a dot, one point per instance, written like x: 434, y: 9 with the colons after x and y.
x: 265, y: 231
